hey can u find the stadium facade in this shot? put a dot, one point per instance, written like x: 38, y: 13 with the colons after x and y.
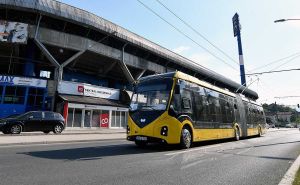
x: 54, y: 56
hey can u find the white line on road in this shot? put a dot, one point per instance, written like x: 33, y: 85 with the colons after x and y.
x: 289, y: 177
x: 192, y: 150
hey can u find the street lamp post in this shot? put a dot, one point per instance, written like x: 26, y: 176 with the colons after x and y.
x: 283, y: 20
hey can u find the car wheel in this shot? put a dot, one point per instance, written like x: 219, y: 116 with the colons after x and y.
x: 58, y: 129
x: 185, y: 139
x: 5, y: 132
x: 15, y: 129
x: 237, y: 134
x: 47, y: 131
x: 140, y: 143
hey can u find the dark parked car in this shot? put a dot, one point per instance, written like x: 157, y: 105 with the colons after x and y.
x: 44, y: 121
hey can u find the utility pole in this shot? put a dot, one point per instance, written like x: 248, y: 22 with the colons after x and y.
x: 237, y: 34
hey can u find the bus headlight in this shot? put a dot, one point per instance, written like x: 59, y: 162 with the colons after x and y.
x: 128, y: 129
x: 164, y: 131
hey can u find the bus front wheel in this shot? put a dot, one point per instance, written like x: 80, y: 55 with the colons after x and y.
x: 186, y: 138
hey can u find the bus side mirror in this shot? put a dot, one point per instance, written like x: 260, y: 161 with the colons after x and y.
x: 172, y: 111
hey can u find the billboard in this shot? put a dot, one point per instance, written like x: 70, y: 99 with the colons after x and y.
x: 13, y: 32
x: 13, y: 80
x: 74, y: 88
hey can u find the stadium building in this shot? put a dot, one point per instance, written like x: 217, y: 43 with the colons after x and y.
x: 54, y: 56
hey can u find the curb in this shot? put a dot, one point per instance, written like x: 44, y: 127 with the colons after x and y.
x: 63, y: 133
x: 289, y: 176
x: 58, y: 142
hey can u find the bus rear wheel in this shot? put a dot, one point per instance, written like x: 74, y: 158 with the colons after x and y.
x: 186, y: 138
x: 259, y: 132
x: 237, y: 134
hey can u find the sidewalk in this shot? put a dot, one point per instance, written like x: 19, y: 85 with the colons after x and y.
x: 67, y: 136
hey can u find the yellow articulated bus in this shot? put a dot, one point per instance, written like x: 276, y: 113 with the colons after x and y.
x: 176, y: 108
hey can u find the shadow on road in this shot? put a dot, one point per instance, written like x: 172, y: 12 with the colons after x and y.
x: 98, y: 152
x: 93, y: 153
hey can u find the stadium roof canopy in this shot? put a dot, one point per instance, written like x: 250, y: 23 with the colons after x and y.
x: 83, y: 20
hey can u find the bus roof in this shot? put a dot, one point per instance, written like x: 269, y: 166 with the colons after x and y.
x: 180, y: 75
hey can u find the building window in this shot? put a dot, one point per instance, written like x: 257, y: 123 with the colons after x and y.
x: 96, y: 118
x: 36, y: 97
x: 14, y: 95
x: 77, y: 118
x: 119, y: 119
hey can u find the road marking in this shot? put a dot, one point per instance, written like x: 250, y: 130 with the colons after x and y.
x: 192, y: 150
x: 289, y: 177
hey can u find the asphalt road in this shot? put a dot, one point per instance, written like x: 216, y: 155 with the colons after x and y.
x: 262, y: 160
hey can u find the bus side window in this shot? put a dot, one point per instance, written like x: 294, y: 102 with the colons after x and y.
x: 186, y: 103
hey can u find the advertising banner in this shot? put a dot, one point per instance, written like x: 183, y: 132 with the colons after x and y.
x: 13, y: 32
x: 104, y: 120
x: 74, y: 88
x: 12, y: 80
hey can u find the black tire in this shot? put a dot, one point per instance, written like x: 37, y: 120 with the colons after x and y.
x: 237, y: 134
x: 15, y: 129
x: 141, y: 143
x: 46, y: 131
x: 5, y: 132
x: 57, y: 129
x: 185, y: 138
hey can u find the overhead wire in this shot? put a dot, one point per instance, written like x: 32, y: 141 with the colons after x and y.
x: 286, y: 62
x: 184, y: 34
x: 275, y: 61
x: 203, y: 37
x: 197, y: 32
x: 151, y: 10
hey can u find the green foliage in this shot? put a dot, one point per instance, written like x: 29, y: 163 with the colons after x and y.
x: 277, y: 108
x: 295, y: 117
x: 297, y: 178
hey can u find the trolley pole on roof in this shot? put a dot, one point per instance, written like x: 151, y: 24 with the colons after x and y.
x: 237, y: 34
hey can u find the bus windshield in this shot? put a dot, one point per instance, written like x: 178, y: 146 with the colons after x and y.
x: 151, y: 95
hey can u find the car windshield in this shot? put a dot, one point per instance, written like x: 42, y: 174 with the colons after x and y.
x: 23, y: 116
x: 151, y: 95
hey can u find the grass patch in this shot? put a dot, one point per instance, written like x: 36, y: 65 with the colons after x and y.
x: 297, y: 178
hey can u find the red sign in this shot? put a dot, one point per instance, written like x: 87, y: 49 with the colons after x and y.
x: 104, y: 120
x: 80, y: 89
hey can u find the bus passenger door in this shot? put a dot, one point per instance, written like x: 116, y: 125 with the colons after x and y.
x: 243, y: 118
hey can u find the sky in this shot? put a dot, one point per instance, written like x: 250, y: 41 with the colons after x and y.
x: 267, y: 46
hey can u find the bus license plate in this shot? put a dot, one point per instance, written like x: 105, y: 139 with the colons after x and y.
x: 140, y: 138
